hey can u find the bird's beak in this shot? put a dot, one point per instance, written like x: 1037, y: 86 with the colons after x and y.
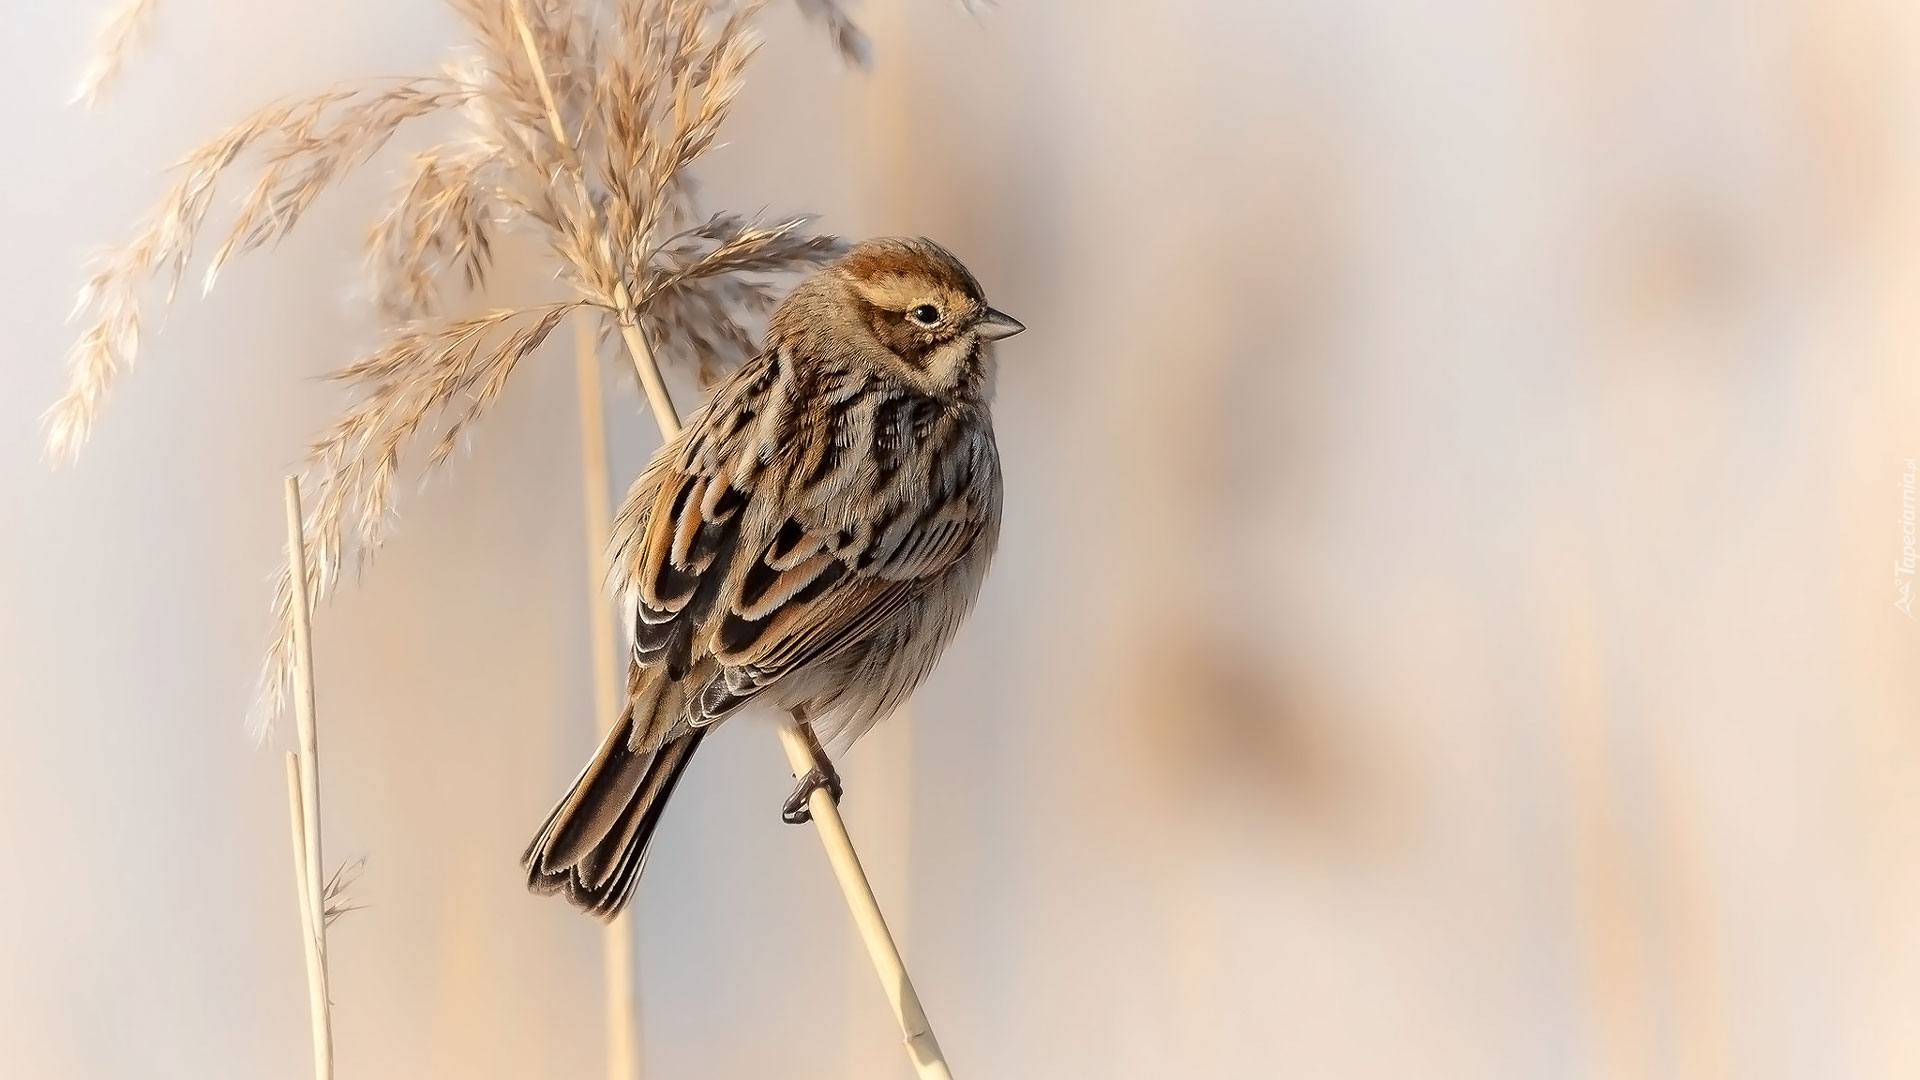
x: 995, y: 325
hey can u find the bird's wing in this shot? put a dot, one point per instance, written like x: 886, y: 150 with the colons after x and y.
x: 741, y: 572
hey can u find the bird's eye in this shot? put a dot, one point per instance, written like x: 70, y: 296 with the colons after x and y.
x: 925, y: 314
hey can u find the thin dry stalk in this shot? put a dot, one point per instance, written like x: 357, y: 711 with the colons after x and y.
x: 597, y: 505
x: 319, y: 1008
x: 923, y: 1049
x: 321, y: 902
x: 304, y: 774
x: 619, y: 980
x: 303, y: 707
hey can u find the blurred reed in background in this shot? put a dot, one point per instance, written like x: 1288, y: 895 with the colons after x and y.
x: 1443, y: 626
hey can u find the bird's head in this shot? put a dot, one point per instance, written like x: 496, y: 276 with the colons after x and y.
x: 911, y: 298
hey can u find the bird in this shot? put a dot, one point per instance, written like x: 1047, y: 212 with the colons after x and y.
x: 811, y: 539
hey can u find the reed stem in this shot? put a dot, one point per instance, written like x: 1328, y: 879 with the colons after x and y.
x: 619, y: 977
x: 929, y: 1063
x: 303, y: 792
x: 922, y: 1048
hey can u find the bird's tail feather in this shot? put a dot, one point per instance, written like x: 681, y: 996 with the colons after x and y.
x: 594, y: 843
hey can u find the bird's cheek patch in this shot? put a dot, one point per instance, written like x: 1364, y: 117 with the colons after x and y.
x: 948, y: 361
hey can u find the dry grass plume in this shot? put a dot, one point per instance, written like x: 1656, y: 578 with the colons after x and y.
x: 579, y: 122
x: 121, y: 33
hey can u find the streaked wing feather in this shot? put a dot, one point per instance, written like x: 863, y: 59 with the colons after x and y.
x: 841, y: 595
x: 731, y: 591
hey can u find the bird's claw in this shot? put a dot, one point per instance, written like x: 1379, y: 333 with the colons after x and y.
x: 796, y: 810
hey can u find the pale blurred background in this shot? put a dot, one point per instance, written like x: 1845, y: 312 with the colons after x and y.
x: 1444, y: 624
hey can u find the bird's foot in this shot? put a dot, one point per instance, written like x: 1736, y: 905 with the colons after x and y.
x: 796, y: 810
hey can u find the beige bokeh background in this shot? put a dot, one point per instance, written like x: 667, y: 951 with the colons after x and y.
x: 1444, y: 625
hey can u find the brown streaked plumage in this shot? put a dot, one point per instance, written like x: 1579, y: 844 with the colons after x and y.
x: 811, y: 539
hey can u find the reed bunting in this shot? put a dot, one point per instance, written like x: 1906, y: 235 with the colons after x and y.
x: 812, y: 539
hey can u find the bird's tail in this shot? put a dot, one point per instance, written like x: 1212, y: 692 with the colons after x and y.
x: 595, y: 841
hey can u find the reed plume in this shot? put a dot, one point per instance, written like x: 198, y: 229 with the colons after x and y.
x: 576, y: 122
x: 121, y: 33
x: 580, y: 122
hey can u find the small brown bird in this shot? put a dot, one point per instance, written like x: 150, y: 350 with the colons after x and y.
x: 812, y: 539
